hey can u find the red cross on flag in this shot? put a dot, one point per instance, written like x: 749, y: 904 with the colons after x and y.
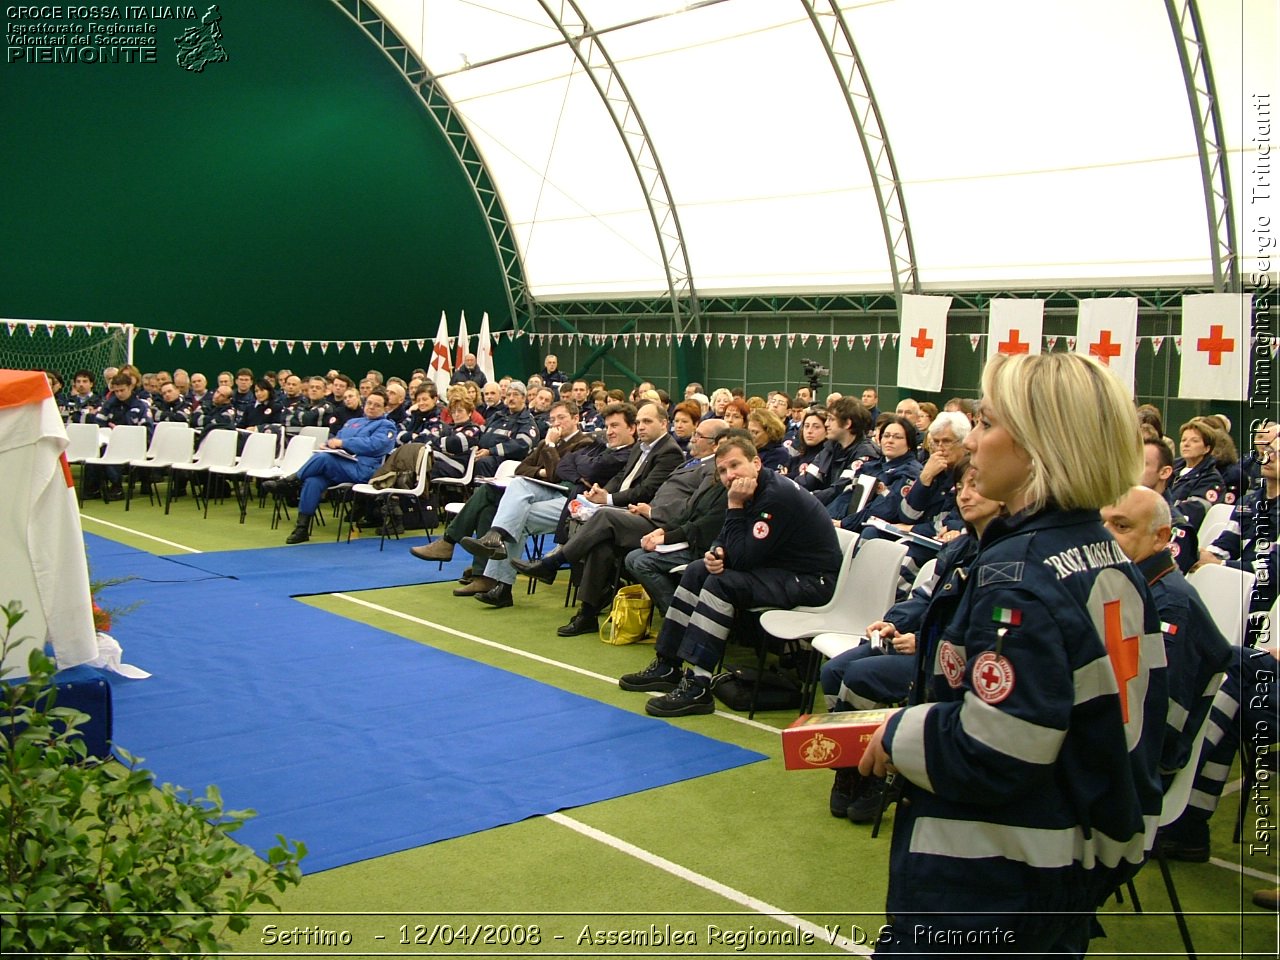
x: 1214, y: 341
x: 922, y: 347
x: 1015, y: 327
x: 1107, y: 330
x: 464, y: 342
x: 440, y: 369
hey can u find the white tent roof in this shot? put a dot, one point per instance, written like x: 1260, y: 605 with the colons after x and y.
x: 1045, y: 143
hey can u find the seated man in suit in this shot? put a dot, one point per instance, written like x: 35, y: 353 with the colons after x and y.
x: 350, y: 457
x: 548, y: 460
x: 692, y: 496
x: 777, y: 548
x: 650, y: 462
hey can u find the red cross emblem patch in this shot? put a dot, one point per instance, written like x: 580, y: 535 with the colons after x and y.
x: 951, y: 664
x: 760, y: 530
x: 992, y: 677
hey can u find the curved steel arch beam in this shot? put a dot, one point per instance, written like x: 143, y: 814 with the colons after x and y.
x: 589, y: 48
x: 837, y: 40
x: 442, y: 111
x: 1193, y: 55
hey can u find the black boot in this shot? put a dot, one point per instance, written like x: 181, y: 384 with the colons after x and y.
x: 302, y: 532
x: 499, y: 596
x: 586, y: 620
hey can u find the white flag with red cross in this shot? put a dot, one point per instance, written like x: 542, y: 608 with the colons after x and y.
x: 922, y: 348
x: 1214, y: 341
x: 1015, y: 327
x: 440, y: 369
x: 1107, y: 330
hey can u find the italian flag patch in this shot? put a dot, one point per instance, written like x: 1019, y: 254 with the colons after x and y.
x: 1170, y: 628
x: 1007, y: 615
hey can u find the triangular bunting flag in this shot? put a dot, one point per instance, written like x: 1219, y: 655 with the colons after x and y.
x: 151, y: 334
x: 894, y: 337
x: 256, y: 345
x: 422, y: 344
x: 49, y: 328
x: 777, y: 340
x: 1156, y: 344
x: 804, y: 339
x: 306, y: 347
x: 203, y: 340
x: 1177, y: 345
x: 849, y: 341
x: 239, y: 342
x: 679, y: 339
x: 791, y: 339
x: 189, y: 337
x: 31, y: 331
x: 1050, y: 343
x: 273, y: 344
x: 404, y: 345
x: 706, y: 339
x: 883, y: 338
x: 170, y: 337
x: 974, y: 340
x: 866, y: 341
x: 1275, y: 345
x: 356, y: 344
x: 12, y: 327
x: 221, y: 341
x: 720, y: 339
x: 1071, y: 344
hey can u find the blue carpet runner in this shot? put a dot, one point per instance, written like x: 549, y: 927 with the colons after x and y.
x: 354, y: 740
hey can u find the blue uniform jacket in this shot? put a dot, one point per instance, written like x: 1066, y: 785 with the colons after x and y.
x: 369, y: 440
x: 886, y: 497
x: 781, y: 527
x: 1249, y: 543
x: 1196, y: 652
x: 1196, y: 490
x: 1027, y: 792
x: 509, y: 436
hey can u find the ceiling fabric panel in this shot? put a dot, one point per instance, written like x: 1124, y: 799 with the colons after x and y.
x: 1038, y: 143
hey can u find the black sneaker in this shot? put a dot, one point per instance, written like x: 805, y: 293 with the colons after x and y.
x: 691, y: 696
x: 661, y: 675
x: 847, y: 787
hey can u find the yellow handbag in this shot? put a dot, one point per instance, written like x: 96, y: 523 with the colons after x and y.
x: 628, y: 620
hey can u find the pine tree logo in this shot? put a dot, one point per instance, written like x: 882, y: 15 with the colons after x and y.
x: 203, y: 44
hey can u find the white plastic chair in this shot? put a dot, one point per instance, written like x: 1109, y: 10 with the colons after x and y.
x: 82, y: 442
x: 1210, y: 533
x: 259, y: 454
x: 831, y: 645
x: 124, y: 444
x: 1218, y: 513
x: 170, y: 445
x: 298, y: 452
x: 319, y: 434
x: 440, y: 484
x: 865, y: 589
x: 1225, y: 591
x: 218, y: 448
x: 384, y: 495
x: 1172, y: 807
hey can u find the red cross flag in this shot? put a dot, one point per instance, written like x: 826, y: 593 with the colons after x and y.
x: 464, y: 342
x: 440, y: 369
x: 1015, y: 327
x: 922, y: 348
x: 1108, y: 331
x: 1214, y: 341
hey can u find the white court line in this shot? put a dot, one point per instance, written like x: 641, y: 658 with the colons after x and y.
x: 524, y: 653
x: 139, y: 533
x: 706, y: 883
x: 1241, y: 868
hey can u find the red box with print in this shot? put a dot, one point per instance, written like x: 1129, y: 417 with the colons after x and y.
x: 820, y: 741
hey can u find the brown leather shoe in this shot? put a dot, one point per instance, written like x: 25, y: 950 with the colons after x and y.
x: 1267, y: 899
x: 438, y: 550
x: 478, y: 585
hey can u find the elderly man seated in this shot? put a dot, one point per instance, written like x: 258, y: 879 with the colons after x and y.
x: 350, y: 457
